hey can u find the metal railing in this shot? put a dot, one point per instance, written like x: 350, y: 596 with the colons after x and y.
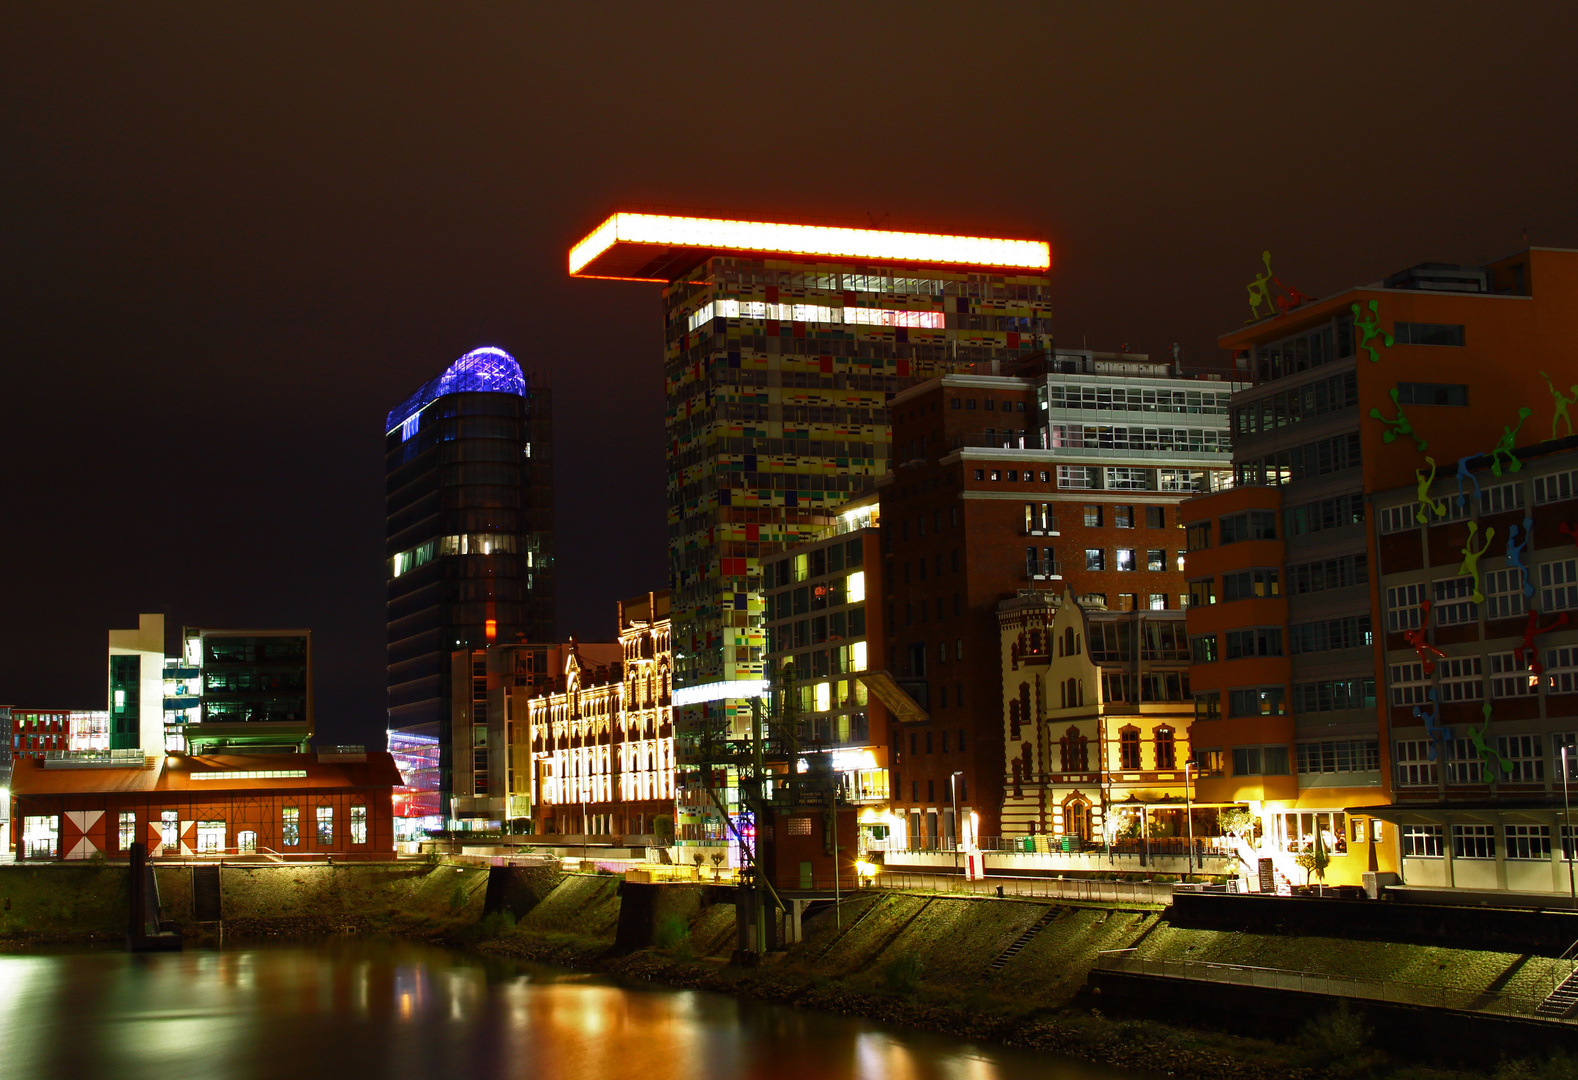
x: 1501, y: 1002
x: 127, y: 758
x: 1043, y: 568
x: 1073, y: 845
x: 1106, y: 892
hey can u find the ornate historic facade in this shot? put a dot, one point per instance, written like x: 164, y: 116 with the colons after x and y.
x: 1096, y: 715
x: 602, y: 746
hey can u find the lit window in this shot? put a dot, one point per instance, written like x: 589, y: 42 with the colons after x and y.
x: 358, y: 824
x: 325, y: 826
x: 291, y: 827
x: 857, y: 656
x: 857, y: 587
x: 824, y: 696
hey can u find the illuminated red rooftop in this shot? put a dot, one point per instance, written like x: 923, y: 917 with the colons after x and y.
x: 663, y: 247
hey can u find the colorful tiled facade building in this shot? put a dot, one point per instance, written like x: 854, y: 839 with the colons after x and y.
x: 784, y: 344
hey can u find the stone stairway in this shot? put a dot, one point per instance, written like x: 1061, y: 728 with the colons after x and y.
x: 1022, y: 940
x: 206, y: 900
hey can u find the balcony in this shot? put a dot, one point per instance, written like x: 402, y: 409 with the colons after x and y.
x: 1044, y: 569
x: 127, y: 758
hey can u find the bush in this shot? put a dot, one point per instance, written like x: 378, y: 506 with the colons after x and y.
x: 496, y: 925
x: 457, y: 899
x: 671, y: 932
x: 1556, y: 1067
x: 1339, y: 1034
x: 902, y: 974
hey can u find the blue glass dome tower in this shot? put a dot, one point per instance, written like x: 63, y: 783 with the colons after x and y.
x: 469, y: 502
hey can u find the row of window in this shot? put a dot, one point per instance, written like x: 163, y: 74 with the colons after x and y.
x: 1137, y: 399
x: 1532, y: 842
x: 1496, y: 499
x: 1300, y: 403
x: 1150, y: 439
x: 1556, y: 585
x: 1155, y: 559
x: 817, y: 563
x: 1461, y: 678
x: 1304, y: 351
x: 832, y: 592
x: 1523, y: 758
x: 1311, y: 758
x: 1232, y: 528
x: 1091, y: 478
x: 1245, y: 701
x: 1121, y: 517
x: 1323, y: 514
x: 1301, y: 462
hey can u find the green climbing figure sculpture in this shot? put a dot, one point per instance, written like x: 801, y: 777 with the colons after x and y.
x: 1399, y: 425
x: 1504, y: 446
x: 1260, y: 291
x: 1490, y: 758
x: 1425, y: 502
x: 1471, y: 558
x: 1562, y: 401
x: 1370, y: 328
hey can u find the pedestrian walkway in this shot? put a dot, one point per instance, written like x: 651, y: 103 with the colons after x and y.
x: 1107, y: 892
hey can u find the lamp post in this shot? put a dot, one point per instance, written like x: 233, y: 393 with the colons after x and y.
x: 1567, y: 837
x: 953, y: 782
x: 1189, y: 813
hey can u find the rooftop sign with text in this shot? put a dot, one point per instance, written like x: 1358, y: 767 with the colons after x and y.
x: 658, y: 247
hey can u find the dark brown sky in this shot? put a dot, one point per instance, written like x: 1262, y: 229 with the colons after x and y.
x: 235, y: 236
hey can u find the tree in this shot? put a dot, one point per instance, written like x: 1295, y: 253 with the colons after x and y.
x: 1314, y: 859
x: 1236, y: 821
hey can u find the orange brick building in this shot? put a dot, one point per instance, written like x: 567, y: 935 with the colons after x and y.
x: 1065, y: 475
x: 329, y: 803
x: 1397, y: 385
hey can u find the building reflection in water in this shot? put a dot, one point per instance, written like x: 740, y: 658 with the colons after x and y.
x: 346, y: 1009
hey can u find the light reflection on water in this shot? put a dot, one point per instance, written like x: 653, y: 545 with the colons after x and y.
x: 346, y: 1008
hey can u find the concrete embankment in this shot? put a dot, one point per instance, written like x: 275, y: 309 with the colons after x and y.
x: 1008, y: 970
x: 86, y: 901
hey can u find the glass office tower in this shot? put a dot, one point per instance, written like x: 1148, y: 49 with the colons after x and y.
x: 782, y: 345
x: 470, y: 560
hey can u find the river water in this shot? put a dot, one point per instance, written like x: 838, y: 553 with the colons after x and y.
x: 346, y: 1008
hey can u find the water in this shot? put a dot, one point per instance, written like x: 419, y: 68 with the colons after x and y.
x: 350, y: 1008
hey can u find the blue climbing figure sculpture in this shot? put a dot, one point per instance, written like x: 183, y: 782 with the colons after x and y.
x: 1463, y: 474
x: 1517, y: 549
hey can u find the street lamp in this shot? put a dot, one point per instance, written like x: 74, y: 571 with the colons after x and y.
x: 1567, y: 831
x: 953, y: 782
x: 1189, y: 814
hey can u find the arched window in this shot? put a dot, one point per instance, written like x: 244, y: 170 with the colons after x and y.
x: 1166, y: 749
x: 1073, y: 751
x: 1072, y: 694
x: 1018, y: 790
x: 1013, y: 719
x: 1070, y: 646
x: 1024, y: 703
x: 1076, y: 817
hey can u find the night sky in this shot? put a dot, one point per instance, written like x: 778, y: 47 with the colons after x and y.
x: 235, y: 236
